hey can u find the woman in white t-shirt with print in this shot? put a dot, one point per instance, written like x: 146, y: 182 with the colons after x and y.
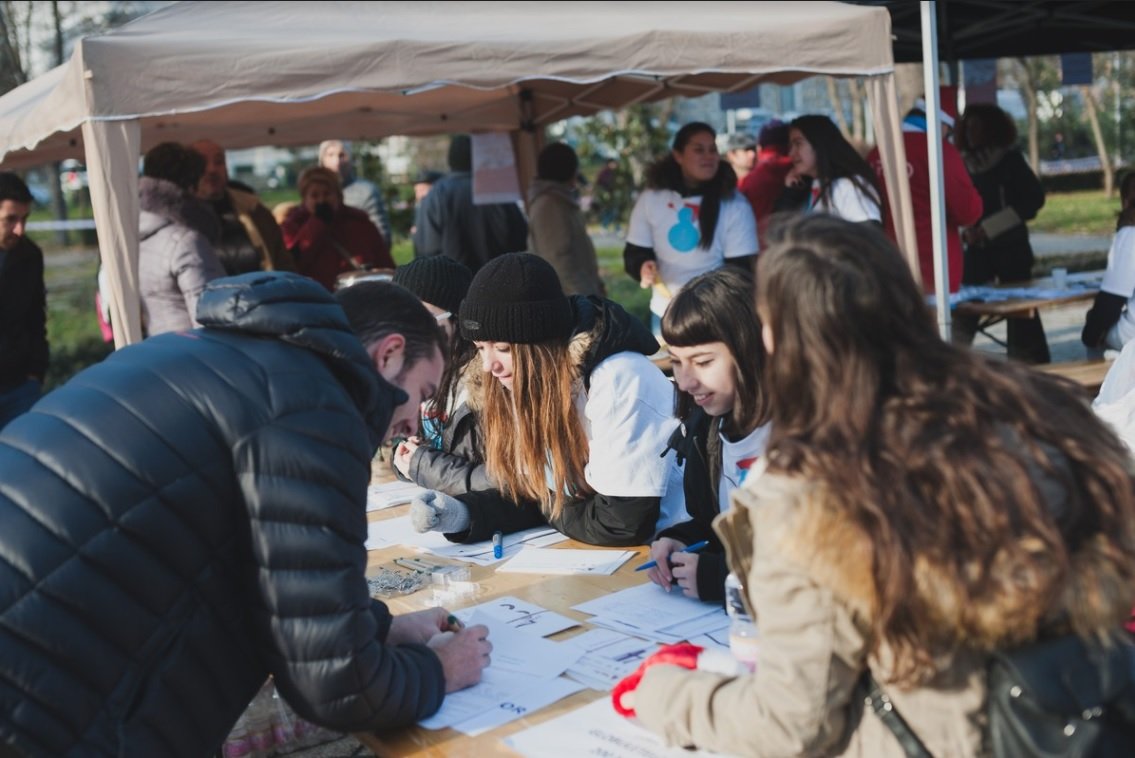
x: 714, y: 338
x: 689, y: 220
x: 1111, y: 321
x: 843, y: 183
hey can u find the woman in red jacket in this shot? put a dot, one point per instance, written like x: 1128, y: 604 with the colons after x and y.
x: 329, y: 238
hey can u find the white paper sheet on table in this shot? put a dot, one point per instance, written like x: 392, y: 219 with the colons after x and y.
x: 523, y: 677
x: 520, y: 615
x: 648, y: 611
x: 400, y: 531
x: 526, y: 654
x: 537, y: 560
x: 497, y: 699
x: 609, y: 657
x: 390, y: 494
x: 594, y: 729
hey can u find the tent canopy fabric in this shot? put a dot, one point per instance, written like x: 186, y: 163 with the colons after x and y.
x: 969, y: 29
x: 247, y: 74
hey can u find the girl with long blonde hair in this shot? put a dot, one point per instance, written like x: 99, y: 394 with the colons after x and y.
x: 573, y: 415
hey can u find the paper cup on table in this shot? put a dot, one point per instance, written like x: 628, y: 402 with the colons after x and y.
x: 1060, y: 277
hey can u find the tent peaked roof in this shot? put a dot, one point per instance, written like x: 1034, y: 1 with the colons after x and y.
x: 245, y: 73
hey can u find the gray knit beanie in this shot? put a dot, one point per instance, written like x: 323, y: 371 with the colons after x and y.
x: 516, y: 298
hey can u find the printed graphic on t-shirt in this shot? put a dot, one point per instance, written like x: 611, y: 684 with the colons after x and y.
x: 683, y: 235
x: 743, y: 467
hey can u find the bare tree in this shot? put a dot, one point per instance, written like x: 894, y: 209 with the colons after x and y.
x: 15, y: 39
x: 834, y: 96
x: 1029, y: 83
x: 858, y: 115
x: 1092, y: 111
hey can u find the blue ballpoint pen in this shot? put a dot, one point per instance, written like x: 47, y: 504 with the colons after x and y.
x: 691, y: 549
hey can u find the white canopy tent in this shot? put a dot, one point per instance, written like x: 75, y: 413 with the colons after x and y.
x: 246, y: 74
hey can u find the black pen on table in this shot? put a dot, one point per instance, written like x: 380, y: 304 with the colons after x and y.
x: 691, y: 549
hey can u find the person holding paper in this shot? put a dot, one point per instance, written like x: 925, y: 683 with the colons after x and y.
x: 573, y: 415
x: 714, y: 338
x: 997, y: 247
x: 922, y: 506
x: 186, y: 518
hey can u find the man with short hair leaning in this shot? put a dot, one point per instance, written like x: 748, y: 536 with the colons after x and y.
x: 23, y: 304
x: 188, y: 516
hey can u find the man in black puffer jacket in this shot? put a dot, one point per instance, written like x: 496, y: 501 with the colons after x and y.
x: 187, y: 517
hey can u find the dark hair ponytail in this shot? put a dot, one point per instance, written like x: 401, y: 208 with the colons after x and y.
x: 666, y: 174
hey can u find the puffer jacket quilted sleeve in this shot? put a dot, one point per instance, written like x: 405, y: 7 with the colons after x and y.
x: 187, y: 517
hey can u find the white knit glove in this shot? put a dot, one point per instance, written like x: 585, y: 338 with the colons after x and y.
x: 435, y: 511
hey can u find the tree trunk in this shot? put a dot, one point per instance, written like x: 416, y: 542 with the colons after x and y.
x: 1097, y: 134
x: 837, y: 107
x: 858, y: 128
x: 1029, y: 93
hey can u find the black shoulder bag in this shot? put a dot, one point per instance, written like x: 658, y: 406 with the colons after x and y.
x: 1057, y: 697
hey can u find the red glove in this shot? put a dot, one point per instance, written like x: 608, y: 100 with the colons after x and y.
x: 684, y: 655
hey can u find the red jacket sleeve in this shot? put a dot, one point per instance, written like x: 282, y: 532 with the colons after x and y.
x: 963, y: 202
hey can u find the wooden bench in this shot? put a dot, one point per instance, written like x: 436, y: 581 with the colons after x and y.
x: 1088, y: 373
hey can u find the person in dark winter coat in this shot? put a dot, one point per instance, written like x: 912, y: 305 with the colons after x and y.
x: 187, y: 517
x: 176, y: 234
x: 573, y: 415
x: 997, y: 247
x: 714, y: 337
x: 23, y: 304
x: 449, y: 224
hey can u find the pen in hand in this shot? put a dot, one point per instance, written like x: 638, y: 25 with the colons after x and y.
x: 691, y: 549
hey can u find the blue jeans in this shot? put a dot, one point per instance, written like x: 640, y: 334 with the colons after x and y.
x: 18, y: 400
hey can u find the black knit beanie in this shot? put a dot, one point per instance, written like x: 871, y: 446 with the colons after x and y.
x: 436, y: 280
x: 517, y: 298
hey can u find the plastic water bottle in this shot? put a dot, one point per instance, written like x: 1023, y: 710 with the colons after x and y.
x: 743, y: 638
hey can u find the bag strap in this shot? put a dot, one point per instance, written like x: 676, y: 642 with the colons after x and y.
x: 889, y: 715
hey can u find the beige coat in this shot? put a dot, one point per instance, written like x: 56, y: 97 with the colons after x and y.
x: 558, y: 234
x: 803, y: 699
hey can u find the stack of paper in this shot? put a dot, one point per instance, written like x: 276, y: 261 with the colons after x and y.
x: 524, y: 676
x: 594, y: 729
x: 608, y: 657
x: 537, y: 560
x: 399, y: 531
x: 520, y: 614
x: 390, y: 494
x: 650, y: 612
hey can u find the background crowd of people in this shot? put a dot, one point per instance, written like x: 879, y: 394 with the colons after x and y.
x: 893, y: 506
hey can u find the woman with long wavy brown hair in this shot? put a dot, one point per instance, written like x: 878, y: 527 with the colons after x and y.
x: 922, y: 507
x: 573, y: 415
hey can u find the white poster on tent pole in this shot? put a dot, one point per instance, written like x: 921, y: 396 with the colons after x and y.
x: 494, y: 170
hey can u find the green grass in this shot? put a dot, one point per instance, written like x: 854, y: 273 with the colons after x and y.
x: 72, y: 327
x: 1089, y: 212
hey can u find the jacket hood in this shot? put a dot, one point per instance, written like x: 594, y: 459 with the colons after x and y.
x: 297, y: 310
x: 163, y: 203
x: 603, y: 328
x: 553, y: 190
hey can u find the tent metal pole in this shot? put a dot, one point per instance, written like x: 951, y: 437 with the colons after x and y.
x: 934, y: 146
